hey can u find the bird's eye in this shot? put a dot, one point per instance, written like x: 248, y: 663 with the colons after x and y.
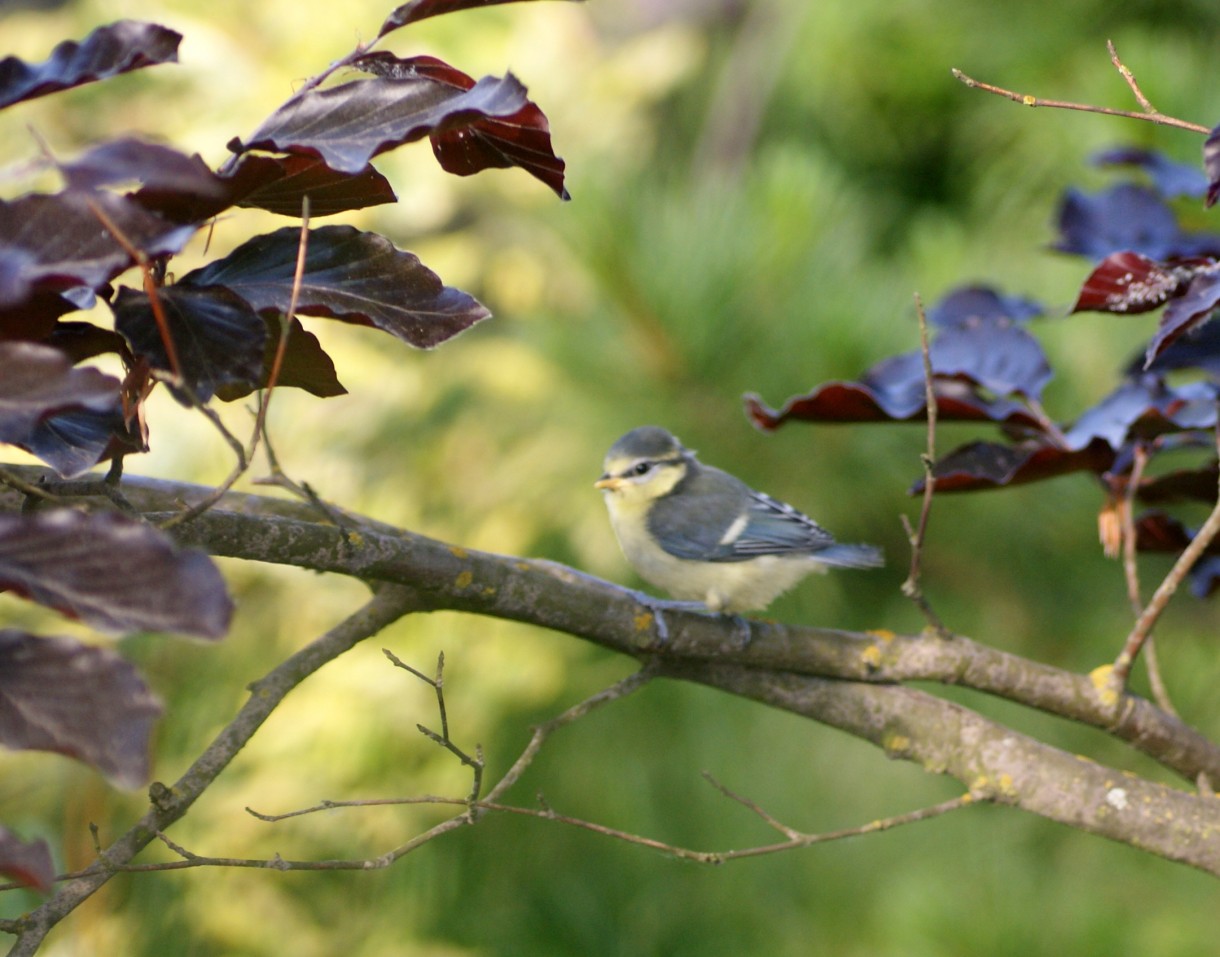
x: 641, y: 468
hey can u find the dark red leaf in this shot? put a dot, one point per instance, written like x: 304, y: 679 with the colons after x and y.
x: 522, y: 139
x: 970, y: 303
x: 422, y: 9
x: 305, y: 366
x: 37, y: 382
x: 1191, y: 485
x: 84, y: 701
x: 280, y: 182
x: 107, y: 51
x: 218, y: 338
x: 1189, y: 311
x: 348, y: 125
x: 57, y: 244
x: 1170, y: 179
x: 349, y: 275
x: 998, y: 356
x: 276, y: 184
x: 1127, y: 282
x: 986, y: 465
x: 112, y: 572
x: 1124, y: 218
x: 26, y: 862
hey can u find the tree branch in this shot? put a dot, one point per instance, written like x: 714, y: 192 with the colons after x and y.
x: 169, y: 804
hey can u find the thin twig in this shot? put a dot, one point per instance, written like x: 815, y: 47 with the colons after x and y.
x: 1126, y: 510
x: 1148, y: 114
x: 912, y: 587
x: 1165, y: 591
x: 1125, y: 72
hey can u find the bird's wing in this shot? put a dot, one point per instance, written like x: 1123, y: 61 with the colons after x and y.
x: 720, y: 519
x: 775, y: 528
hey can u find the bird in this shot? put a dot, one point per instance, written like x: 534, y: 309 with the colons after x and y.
x: 704, y: 535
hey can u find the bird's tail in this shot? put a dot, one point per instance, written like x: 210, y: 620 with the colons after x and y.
x: 850, y: 556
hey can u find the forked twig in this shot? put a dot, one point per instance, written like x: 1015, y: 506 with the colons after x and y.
x: 1148, y: 113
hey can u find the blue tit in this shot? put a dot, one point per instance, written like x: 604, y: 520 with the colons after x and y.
x: 704, y: 535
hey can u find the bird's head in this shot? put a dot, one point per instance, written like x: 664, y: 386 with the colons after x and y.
x: 644, y: 464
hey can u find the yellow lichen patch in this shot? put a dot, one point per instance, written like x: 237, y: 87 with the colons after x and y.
x: 896, y: 744
x: 464, y: 579
x: 882, y: 634
x: 981, y: 786
x: 1004, y: 784
x: 872, y: 657
x: 643, y: 620
x: 458, y: 552
x: 1101, y: 678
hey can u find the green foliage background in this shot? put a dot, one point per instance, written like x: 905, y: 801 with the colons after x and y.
x: 758, y: 191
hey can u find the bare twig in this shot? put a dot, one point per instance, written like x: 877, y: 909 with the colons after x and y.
x: 1125, y: 72
x: 1027, y: 99
x: 1126, y: 512
x: 1147, y: 619
x: 912, y: 587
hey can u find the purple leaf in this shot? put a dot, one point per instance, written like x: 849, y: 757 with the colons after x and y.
x: 83, y: 701
x: 992, y: 353
x: 305, y: 365
x: 348, y: 125
x: 1125, y: 218
x: 26, y: 862
x: 112, y: 572
x: 968, y: 303
x: 56, y: 244
x: 37, y: 381
x: 1189, y: 311
x: 219, y: 340
x: 107, y: 51
x: 349, y: 275
x: 522, y: 139
x: 130, y: 160
x: 73, y: 442
x: 1211, y: 165
x: 1170, y: 179
x: 1144, y: 408
x: 417, y: 10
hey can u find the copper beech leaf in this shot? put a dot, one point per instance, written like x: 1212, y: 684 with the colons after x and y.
x: 112, y: 573
x: 522, y: 139
x: 26, y: 862
x: 107, y: 51
x: 349, y: 275
x: 55, y: 245
x: 1188, y: 312
x: 218, y: 339
x: 349, y: 124
x: 82, y: 701
x: 305, y: 365
x: 417, y: 10
x: 37, y: 381
x: 1126, y: 282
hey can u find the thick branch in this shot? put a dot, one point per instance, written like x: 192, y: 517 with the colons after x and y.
x: 990, y: 759
x: 554, y: 596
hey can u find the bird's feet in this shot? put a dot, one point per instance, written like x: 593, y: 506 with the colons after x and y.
x: 657, y: 607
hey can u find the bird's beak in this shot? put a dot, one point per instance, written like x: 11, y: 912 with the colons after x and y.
x: 608, y: 483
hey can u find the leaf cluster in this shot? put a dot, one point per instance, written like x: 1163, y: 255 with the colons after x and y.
x: 126, y: 208
x: 988, y: 365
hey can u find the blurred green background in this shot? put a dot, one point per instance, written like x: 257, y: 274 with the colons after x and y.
x: 759, y: 190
